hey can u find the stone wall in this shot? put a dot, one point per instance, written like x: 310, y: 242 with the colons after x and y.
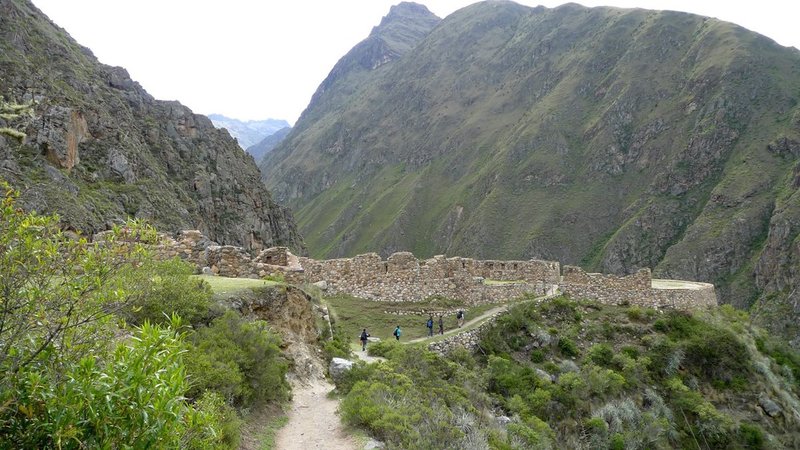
x: 404, y: 278
x: 635, y: 289
x: 227, y: 260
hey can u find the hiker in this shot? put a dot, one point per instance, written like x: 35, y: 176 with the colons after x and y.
x: 397, y: 333
x: 364, y: 336
x: 429, y: 324
x: 441, y: 324
x: 460, y: 317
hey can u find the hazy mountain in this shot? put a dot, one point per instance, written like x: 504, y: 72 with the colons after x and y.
x: 610, y: 138
x: 100, y: 149
x: 268, y: 143
x: 250, y: 132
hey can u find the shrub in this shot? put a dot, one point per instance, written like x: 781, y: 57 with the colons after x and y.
x: 537, y: 356
x: 567, y: 347
x: 238, y: 358
x: 133, y: 396
x: 338, y: 346
x: 601, y: 354
x: 752, y: 436
x: 165, y: 288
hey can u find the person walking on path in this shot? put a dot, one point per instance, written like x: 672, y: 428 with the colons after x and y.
x: 364, y: 336
x: 397, y: 333
x: 460, y: 317
x: 441, y: 325
x: 429, y: 324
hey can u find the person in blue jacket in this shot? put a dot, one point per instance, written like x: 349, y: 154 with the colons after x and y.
x: 397, y: 333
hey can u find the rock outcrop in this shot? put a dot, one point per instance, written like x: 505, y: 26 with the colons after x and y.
x: 99, y: 149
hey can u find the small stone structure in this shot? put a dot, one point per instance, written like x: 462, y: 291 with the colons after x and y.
x: 404, y: 278
x: 635, y: 289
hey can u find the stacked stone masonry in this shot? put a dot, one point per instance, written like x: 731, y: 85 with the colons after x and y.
x: 404, y: 278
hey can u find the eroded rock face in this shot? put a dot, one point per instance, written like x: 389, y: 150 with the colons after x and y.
x: 126, y: 154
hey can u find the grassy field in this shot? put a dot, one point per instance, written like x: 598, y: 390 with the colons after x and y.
x: 226, y: 286
x: 381, y: 318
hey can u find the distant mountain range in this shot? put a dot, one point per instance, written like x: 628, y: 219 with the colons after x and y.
x: 610, y: 138
x: 250, y: 132
x: 268, y: 143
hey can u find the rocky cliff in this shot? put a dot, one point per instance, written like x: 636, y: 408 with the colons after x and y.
x: 98, y: 148
x: 614, y: 139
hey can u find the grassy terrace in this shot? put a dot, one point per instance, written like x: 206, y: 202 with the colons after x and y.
x: 227, y: 286
x: 380, y: 318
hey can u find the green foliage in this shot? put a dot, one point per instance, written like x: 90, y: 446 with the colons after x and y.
x: 707, y: 349
x: 601, y: 354
x: 752, y: 436
x: 701, y: 416
x: 537, y: 356
x: 338, y: 346
x: 132, y: 396
x: 56, y: 291
x: 568, y: 347
x: 414, y: 400
x: 165, y: 288
x: 238, y: 358
x: 783, y: 355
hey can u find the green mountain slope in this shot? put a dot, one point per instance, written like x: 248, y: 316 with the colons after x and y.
x: 610, y: 138
x: 100, y: 149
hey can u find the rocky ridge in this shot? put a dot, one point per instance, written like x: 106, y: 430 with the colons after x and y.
x: 100, y: 149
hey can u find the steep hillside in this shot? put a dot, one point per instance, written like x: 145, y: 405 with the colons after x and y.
x: 249, y: 132
x: 99, y: 148
x: 266, y: 145
x: 610, y: 138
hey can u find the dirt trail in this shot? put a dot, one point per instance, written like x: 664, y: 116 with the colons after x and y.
x: 467, y: 324
x: 313, y: 422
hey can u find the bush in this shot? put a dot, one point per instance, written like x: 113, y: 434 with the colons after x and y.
x: 238, y: 358
x: 568, y: 347
x: 601, y: 354
x: 134, y: 397
x: 338, y: 346
x: 537, y: 356
x: 752, y: 436
x: 165, y: 288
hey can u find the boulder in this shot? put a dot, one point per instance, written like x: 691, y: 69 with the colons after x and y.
x: 207, y: 271
x: 769, y: 406
x: 322, y: 284
x: 503, y: 420
x: 373, y: 444
x: 338, y: 367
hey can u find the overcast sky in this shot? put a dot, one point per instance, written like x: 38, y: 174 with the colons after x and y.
x: 264, y: 59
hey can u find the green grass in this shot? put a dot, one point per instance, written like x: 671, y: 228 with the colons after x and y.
x: 225, y: 285
x: 266, y: 438
x: 353, y: 314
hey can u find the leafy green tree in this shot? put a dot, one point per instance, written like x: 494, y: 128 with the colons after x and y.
x: 57, y: 291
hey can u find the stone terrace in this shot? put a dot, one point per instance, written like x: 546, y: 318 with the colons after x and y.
x: 404, y: 278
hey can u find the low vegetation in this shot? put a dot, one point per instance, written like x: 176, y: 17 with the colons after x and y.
x: 577, y: 374
x: 103, y: 347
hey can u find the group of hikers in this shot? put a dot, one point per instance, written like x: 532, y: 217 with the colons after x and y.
x: 398, y: 332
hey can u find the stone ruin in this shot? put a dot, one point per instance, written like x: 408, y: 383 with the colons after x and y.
x: 404, y: 278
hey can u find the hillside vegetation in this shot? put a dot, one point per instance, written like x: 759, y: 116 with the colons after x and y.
x: 576, y: 374
x: 610, y: 138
